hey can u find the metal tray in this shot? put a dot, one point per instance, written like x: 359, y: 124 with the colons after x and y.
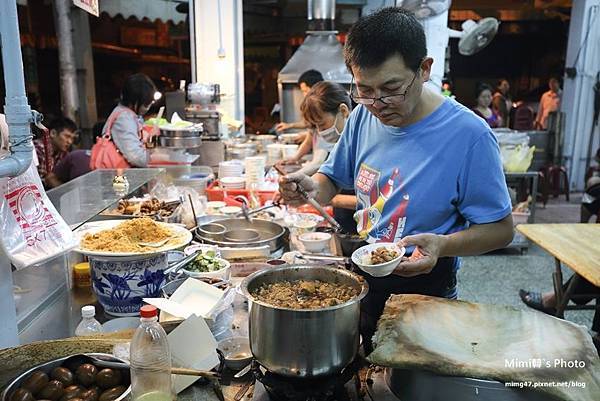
x: 48, y: 366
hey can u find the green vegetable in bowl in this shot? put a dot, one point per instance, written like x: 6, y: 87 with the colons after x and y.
x: 205, y: 262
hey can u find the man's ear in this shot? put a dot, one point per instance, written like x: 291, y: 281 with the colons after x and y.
x: 53, y: 132
x: 426, y: 68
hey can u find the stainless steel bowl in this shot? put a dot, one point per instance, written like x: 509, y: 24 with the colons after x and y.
x: 304, y: 342
x: 236, y: 351
x: 47, y: 368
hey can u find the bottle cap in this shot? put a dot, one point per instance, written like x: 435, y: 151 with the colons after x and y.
x: 88, y: 311
x: 148, y: 311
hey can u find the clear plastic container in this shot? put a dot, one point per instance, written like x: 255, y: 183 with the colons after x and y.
x: 150, y: 360
x: 88, y: 325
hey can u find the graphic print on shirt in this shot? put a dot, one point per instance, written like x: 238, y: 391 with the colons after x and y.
x: 375, y: 221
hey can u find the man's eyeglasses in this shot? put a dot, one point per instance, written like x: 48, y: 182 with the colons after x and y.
x: 396, y: 98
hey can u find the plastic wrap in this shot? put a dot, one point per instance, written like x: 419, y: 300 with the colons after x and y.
x: 32, y: 230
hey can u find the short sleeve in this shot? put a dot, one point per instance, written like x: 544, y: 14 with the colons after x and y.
x: 482, y: 192
x: 339, y: 166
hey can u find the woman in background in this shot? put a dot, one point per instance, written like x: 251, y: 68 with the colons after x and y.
x: 325, y: 110
x: 124, y: 125
x: 483, y: 96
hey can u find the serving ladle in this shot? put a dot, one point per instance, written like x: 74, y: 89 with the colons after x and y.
x: 314, y: 203
x: 79, y: 359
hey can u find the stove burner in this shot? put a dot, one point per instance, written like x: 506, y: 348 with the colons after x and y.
x: 329, y: 388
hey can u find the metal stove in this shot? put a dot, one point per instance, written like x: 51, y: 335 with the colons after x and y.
x: 352, y: 384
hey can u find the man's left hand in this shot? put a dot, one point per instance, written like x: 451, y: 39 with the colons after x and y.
x: 425, y: 256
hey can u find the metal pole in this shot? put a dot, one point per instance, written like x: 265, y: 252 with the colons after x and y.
x: 18, y: 113
x: 66, y: 59
x: 192, y: 22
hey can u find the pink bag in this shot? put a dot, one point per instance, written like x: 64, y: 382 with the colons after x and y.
x: 105, y: 154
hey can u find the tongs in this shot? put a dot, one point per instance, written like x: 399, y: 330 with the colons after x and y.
x: 313, y: 202
x: 176, y: 266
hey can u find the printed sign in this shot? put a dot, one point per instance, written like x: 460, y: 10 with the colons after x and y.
x: 91, y: 6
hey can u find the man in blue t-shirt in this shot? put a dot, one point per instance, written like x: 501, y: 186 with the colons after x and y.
x: 426, y: 170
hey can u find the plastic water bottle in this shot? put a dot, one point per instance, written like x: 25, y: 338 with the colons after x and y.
x: 88, y: 325
x: 150, y: 360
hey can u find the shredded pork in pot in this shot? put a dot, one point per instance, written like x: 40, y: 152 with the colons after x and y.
x: 126, y: 236
x: 304, y: 294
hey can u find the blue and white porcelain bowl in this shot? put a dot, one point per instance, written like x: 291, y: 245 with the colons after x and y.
x: 120, y: 283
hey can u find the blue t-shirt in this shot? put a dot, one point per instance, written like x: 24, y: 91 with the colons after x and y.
x: 434, y: 176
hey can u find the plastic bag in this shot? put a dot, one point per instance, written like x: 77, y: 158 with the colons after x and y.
x: 516, y: 159
x: 32, y: 230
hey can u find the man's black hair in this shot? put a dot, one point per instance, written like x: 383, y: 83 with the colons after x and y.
x: 138, y: 91
x: 62, y: 123
x: 387, y: 32
x: 310, y: 78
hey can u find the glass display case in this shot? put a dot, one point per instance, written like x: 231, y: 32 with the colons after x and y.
x: 41, y: 293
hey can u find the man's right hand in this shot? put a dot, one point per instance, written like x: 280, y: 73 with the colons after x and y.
x: 282, y: 126
x: 288, y: 186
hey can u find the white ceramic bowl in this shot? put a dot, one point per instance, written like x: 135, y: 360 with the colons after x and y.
x: 223, y: 273
x: 305, y: 226
x: 382, y: 269
x: 233, y: 182
x: 315, y: 242
x: 203, y: 248
x: 231, y: 210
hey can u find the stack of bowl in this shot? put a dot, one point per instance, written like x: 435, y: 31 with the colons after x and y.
x: 255, y: 171
x: 231, y: 168
x: 233, y: 182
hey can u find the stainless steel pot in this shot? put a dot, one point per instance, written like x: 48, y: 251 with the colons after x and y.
x: 304, y: 343
x: 420, y: 385
x: 180, y: 142
x: 271, y: 234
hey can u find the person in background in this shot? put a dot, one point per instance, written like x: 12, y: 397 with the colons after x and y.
x: 546, y: 302
x: 549, y: 102
x: 76, y: 163
x: 305, y: 82
x: 483, y: 97
x: 501, y: 101
x: 63, y: 132
x: 325, y: 110
x: 125, y: 122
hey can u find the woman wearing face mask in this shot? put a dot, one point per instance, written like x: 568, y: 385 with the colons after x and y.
x: 124, y: 125
x: 325, y: 109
